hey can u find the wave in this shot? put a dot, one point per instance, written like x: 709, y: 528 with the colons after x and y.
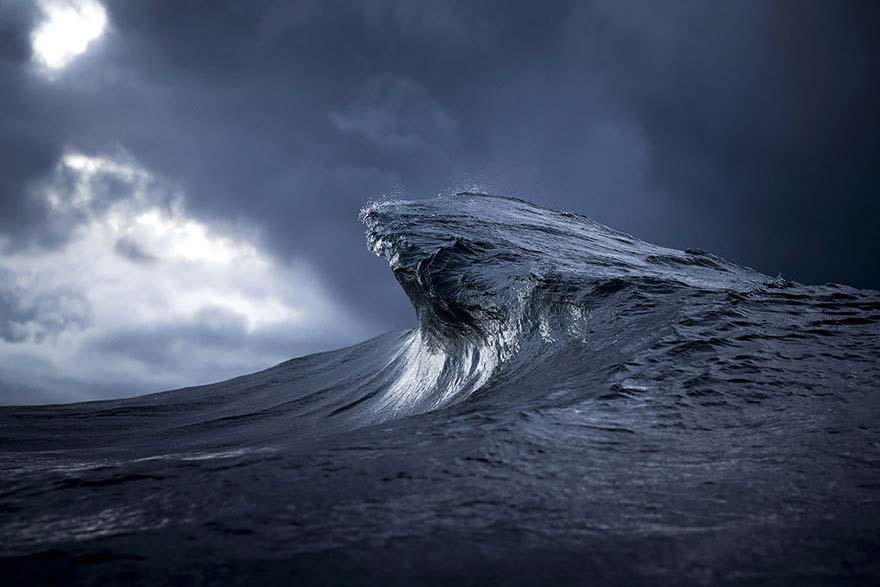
x: 568, y: 389
x: 515, y: 303
x: 499, y: 284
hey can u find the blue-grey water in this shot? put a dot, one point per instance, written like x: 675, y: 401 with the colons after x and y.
x: 575, y: 407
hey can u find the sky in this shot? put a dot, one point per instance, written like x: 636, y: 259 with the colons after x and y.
x: 180, y: 180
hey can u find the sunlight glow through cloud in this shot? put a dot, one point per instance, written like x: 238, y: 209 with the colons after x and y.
x: 68, y: 28
x: 162, y: 231
x: 173, y: 299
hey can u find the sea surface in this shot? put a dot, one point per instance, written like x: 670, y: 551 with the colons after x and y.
x: 575, y: 407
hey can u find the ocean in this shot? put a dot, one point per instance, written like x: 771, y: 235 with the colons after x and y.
x: 575, y: 407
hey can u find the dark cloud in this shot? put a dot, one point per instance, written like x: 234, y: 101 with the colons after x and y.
x: 35, y: 380
x: 134, y: 252
x: 759, y: 118
x: 16, y: 21
x: 166, y: 344
x: 748, y: 129
x: 209, y: 344
x: 29, y: 315
x: 33, y: 129
x: 398, y: 115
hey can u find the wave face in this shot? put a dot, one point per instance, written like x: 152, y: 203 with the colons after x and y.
x: 573, y: 401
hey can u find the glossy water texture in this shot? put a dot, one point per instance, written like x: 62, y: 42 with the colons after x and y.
x: 576, y: 407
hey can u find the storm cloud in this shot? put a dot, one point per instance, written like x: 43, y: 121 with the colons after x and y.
x: 745, y: 129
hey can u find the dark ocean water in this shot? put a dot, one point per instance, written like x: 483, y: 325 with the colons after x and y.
x: 576, y: 407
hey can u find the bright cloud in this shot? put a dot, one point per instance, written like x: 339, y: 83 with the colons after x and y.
x: 145, y: 297
x: 67, y: 29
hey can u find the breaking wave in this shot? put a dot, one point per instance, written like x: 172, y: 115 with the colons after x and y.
x: 499, y: 285
x: 569, y: 391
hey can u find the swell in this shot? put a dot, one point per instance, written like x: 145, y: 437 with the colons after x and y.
x: 515, y: 303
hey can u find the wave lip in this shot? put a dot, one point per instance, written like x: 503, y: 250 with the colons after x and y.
x: 471, y: 259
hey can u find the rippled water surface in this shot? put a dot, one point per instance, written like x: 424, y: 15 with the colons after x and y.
x: 575, y: 407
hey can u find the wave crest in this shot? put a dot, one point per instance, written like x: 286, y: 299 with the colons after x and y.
x: 495, y: 280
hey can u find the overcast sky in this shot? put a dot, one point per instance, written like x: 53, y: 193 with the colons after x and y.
x: 180, y: 180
